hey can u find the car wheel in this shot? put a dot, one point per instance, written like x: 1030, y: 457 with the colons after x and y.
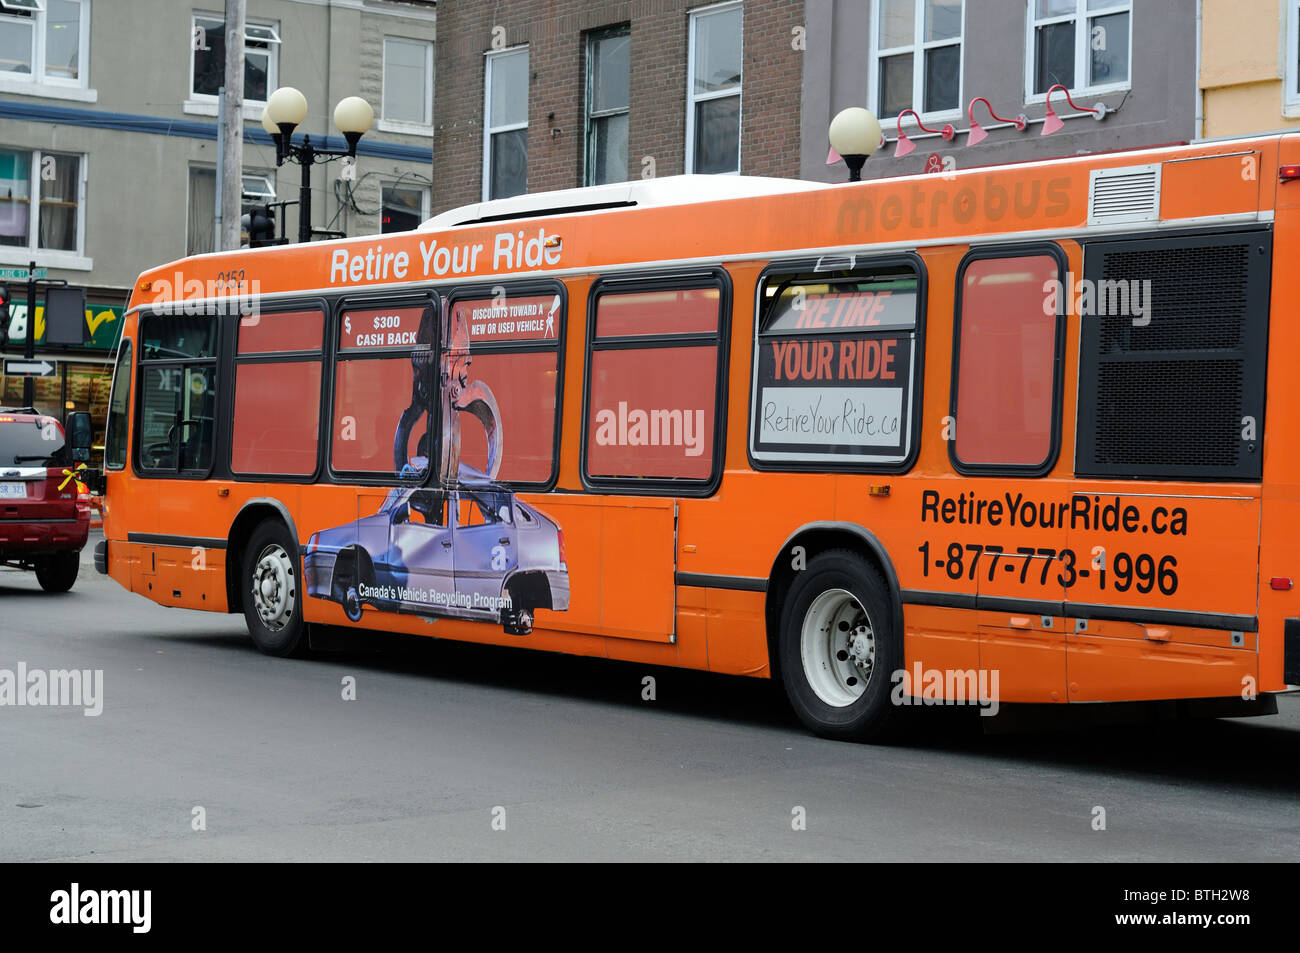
x: 838, y: 648
x: 272, y: 603
x: 57, y: 573
x: 352, y: 604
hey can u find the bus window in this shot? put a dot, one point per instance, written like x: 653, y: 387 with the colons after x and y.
x: 1008, y: 346
x: 115, y: 430
x: 284, y: 442
x: 383, y: 392
x: 176, y: 426
x: 835, y: 356
x: 515, y: 351
x: 652, y: 386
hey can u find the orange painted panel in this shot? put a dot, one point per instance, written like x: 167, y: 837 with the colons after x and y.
x: 1212, y: 185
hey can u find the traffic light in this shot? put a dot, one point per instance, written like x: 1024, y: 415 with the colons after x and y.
x: 259, y: 224
x: 4, y: 316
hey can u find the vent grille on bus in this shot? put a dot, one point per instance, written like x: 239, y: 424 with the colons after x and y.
x: 1173, y: 387
x: 1187, y: 398
x: 1210, y: 310
x: 1124, y: 195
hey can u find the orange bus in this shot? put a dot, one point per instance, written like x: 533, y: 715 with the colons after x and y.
x: 1014, y: 434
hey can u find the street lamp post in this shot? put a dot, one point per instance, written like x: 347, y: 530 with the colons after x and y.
x: 286, y: 108
x: 855, y: 134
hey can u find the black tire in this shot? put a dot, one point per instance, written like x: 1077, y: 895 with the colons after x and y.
x: 872, y: 716
x: 352, y: 604
x: 285, y: 635
x: 58, y: 572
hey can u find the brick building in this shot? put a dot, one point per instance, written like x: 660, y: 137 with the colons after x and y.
x: 535, y: 96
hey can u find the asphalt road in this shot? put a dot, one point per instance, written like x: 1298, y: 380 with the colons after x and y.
x: 441, y: 737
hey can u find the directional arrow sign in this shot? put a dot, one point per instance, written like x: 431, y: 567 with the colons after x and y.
x: 29, y: 369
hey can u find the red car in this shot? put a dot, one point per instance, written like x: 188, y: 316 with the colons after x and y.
x: 44, y: 508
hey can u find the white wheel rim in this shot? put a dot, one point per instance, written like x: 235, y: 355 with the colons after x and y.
x: 838, y: 646
x: 275, y: 592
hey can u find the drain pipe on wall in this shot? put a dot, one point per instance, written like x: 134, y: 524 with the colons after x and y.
x: 1200, y: 88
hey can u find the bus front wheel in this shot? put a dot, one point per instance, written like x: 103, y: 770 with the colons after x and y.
x: 838, y: 647
x: 272, y: 593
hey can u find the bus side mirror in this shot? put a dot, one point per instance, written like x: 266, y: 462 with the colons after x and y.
x: 80, y: 435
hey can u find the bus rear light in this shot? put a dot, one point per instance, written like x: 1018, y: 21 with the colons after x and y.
x: 1288, y: 173
x: 1281, y: 583
x: 559, y: 533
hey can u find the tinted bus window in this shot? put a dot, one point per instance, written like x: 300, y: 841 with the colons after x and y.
x: 652, y: 401
x: 514, y: 352
x: 1007, y: 362
x: 383, y: 392
x: 168, y: 337
x: 276, y: 427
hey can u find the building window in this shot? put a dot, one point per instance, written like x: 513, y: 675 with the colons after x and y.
x: 44, y: 41
x: 208, y: 65
x: 1079, y: 44
x: 408, y: 80
x: 713, y: 103
x: 505, y: 136
x: 258, y: 190
x: 55, y: 222
x: 404, y: 208
x: 917, y: 48
x: 608, y: 72
x: 1007, y: 420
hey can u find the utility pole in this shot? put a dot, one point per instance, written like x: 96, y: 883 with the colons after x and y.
x: 231, y: 188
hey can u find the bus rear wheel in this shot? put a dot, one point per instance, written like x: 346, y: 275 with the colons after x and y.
x: 838, y: 649
x: 272, y: 594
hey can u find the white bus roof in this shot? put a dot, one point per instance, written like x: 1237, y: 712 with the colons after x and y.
x: 670, y: 190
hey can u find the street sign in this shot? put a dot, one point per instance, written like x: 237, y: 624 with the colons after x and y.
x: 29, y: 369
x: 19, y: 274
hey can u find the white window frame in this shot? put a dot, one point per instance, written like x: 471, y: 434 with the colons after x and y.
x: 37, y: 83
x: 1290, y: 69
x: 426, y: 197
x: 267, y: 174
x: 50, y: 257
x: 738, y: 90
x: 205, y: 104
x: 407, y: 126
x: 917, y: 48
x: 592, y: 39
x: 1082, y: 47
x: 489, y: 131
